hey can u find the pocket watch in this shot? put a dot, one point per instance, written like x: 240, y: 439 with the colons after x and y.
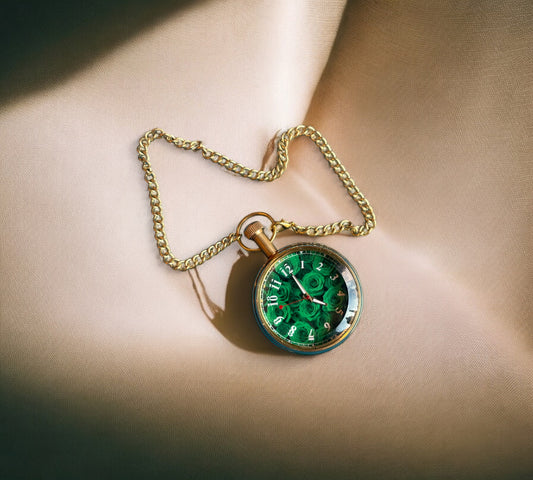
x: 307, y: 298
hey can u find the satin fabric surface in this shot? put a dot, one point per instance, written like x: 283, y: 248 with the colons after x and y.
x: 115, y: 366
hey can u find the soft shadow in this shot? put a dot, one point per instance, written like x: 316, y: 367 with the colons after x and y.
x: 236, y: 322
x: 270, y: 157
x: 46, y: 438
x: 45, y: 42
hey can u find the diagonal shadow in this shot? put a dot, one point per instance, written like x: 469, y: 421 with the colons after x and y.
x: 45, y: 42
x: 236, y: 320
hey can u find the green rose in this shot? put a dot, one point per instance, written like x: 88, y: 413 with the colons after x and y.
x: 335, y: 298
x: 334, y: 280
x: 325, y: 327
x: 274, y: 313
x: 283, y: 329
x: 324, y: 268
x: 313, y: 282
x: 283, y: 293
x: 309, y: 311
x: 302, y: 332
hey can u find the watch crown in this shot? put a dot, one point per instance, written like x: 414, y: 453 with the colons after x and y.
x: 253, y: 229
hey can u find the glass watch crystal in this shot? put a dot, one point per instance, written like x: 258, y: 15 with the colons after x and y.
x: 307, y: 298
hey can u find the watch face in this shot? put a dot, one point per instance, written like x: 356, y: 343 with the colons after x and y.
x: 307, y: 298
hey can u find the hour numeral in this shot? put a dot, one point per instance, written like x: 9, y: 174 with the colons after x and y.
x: 286, y: 270
x: 334, y: 277
x: 341, y: 294
x: 311, y: 336
x: 327, y: 326
x: 275, y: 284
x: 272, y: 300
x: 278, y: 320
x: 339, y: 311
x: 292, y: 330
x: 302, y: 265
x: 319, y: 267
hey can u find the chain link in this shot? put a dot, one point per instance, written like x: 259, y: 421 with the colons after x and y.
x: 252, y: 174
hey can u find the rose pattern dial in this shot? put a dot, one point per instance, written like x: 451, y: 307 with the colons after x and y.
x: 307, y: 298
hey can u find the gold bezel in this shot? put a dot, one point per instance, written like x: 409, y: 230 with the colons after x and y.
x: 351, y: 316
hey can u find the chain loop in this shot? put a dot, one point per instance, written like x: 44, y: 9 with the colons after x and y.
x: 252, y: 174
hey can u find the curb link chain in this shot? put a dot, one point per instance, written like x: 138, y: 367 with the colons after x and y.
x: 252, y: 174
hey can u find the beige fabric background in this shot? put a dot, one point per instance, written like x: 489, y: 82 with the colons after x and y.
x: 115, y: 366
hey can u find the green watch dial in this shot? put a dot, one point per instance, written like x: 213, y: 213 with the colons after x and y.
x: 307, y: 298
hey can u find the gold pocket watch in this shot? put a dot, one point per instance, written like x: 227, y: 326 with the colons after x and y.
x: 307, y: 298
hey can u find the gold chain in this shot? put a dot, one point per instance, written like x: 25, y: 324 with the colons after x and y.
x: 252, y: 174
